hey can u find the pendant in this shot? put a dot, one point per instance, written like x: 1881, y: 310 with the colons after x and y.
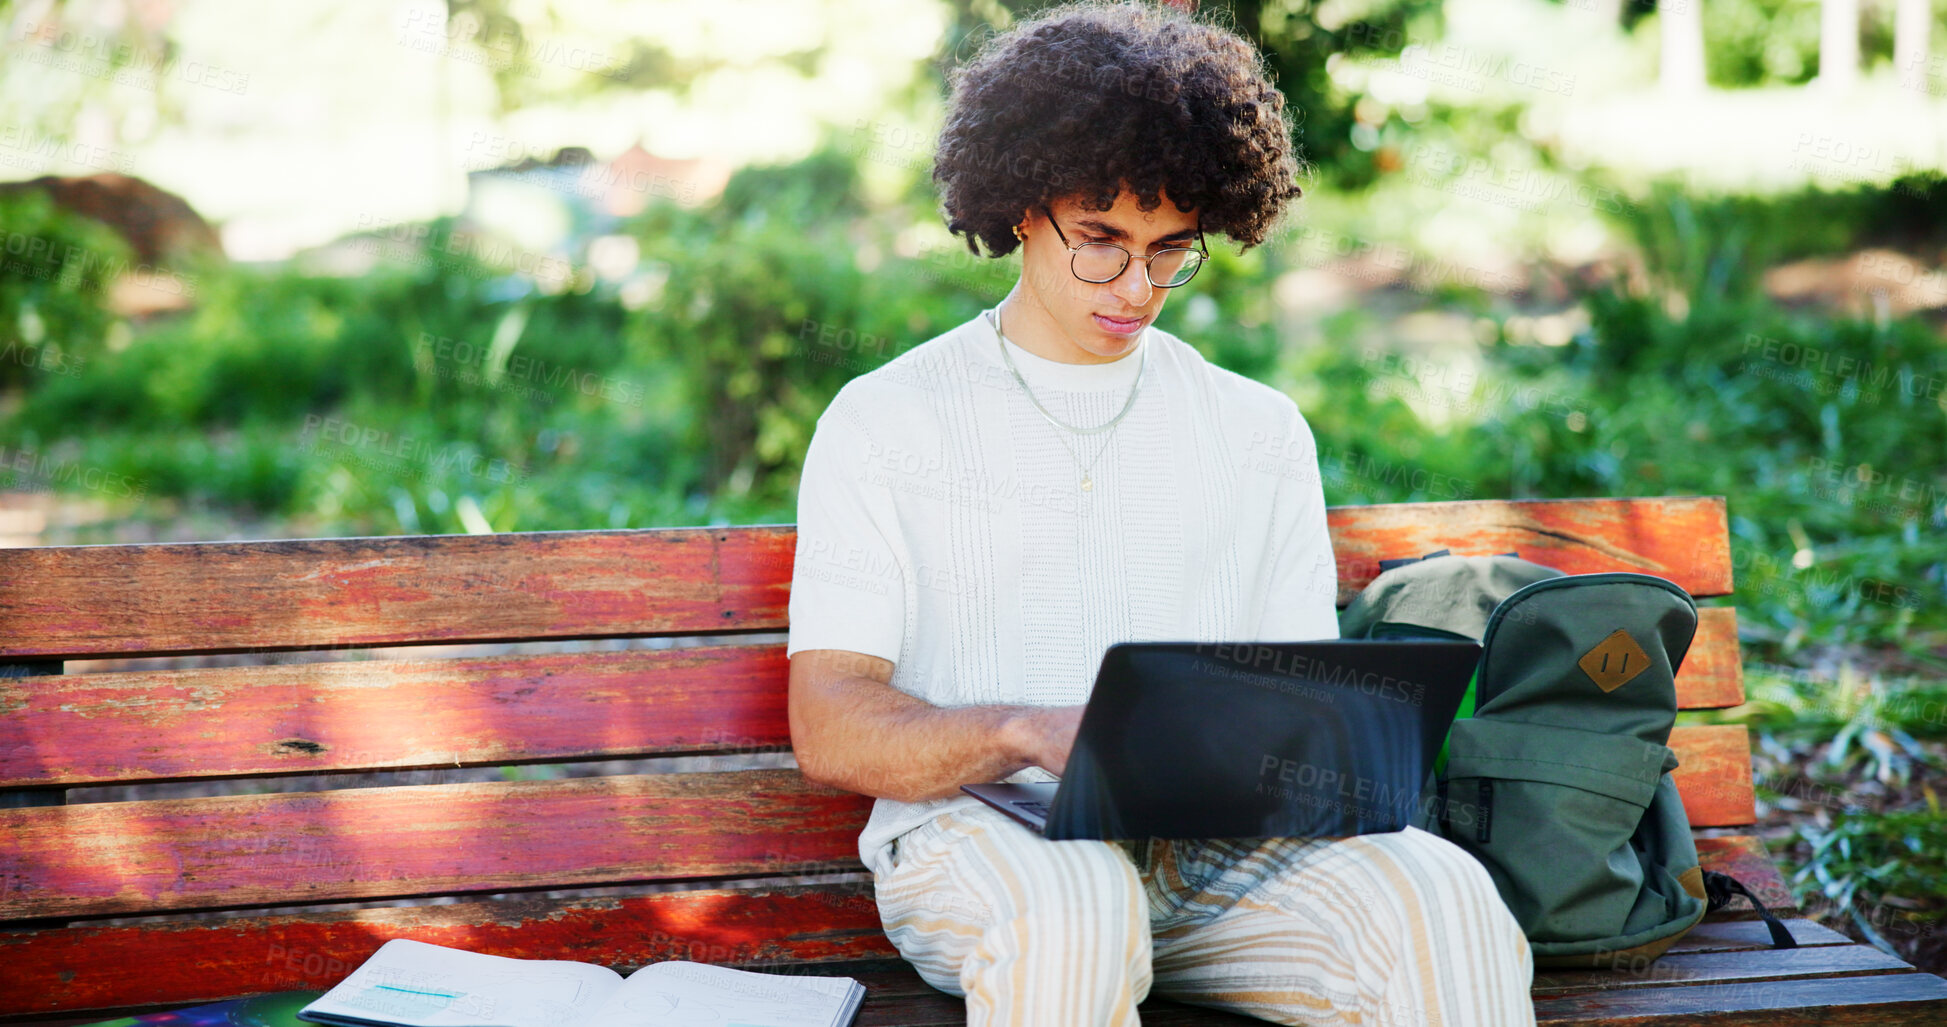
x: 1088, y: 483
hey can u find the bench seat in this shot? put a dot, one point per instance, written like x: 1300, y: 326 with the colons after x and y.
x: 1722, y: 972
x: 111, y: 906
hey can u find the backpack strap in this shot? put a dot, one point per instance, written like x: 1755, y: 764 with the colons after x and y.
x: 1719, y: 889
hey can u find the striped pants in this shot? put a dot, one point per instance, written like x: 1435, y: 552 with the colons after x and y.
x: 1386, y: 929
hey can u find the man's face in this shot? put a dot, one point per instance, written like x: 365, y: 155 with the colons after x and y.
x: 1085, y: 312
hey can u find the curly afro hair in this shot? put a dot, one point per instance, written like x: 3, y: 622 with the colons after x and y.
x: 1088, y: 98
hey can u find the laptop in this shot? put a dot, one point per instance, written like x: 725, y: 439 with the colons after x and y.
x: 1251, y: 740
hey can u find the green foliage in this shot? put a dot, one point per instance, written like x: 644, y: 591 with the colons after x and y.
x: 381, y: 403
x: 55, y: 270
x: 1813, y: 424
x: 1298, y: 42
x: 1754, y: 42
x: 1873, y: 725
x: 752, y: 285
x: 1767, y: 42
x: 1880, y: 871
x: 1849, y: 760
x: 1228, y: 315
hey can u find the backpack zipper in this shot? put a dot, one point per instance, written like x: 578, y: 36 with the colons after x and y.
x: 1521, y: 594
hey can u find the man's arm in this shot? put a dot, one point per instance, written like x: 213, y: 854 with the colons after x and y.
x: 1301, y: 589
x: 851, y: 729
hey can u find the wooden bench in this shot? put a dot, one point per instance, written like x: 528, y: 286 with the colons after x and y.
x: 96, y: 897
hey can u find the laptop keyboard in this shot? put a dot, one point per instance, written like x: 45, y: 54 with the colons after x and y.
x: 1035, y: 806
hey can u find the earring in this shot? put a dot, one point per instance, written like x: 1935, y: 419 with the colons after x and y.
x: 1018, y: 234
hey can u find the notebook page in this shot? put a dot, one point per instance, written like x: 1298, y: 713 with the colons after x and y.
x: 410, y: 982
x: 700, y: 995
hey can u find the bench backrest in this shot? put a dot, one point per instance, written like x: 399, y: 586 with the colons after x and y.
x: 78, y: 864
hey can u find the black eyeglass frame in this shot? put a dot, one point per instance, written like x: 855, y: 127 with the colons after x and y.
x: 1074, y: 253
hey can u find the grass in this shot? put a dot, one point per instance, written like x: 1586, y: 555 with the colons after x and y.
x: 1845, y: 772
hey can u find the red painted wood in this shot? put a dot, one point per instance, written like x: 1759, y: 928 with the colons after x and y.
x: 317, y: 593
x: 1682, y: 538
x: 392, y: 714
x: 149, y: 857
x: 1744, y: 857
x: 822, y: 923
x: 372, y: 715
x: 1712, y: 674
x: 83, y: 729
x: 84, y: 968
x: 237, y: 956
x: 156, y: 856
x: 314, y: 955
x: 210, y: 597
x: 1714, y: 777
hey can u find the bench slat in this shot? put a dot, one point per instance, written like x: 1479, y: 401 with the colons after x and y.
x: 919, y: 1010
x: 112, y: 858
x: 1732, y: 935
x: 1714, y: 777
x: 82, y: 729
x: 215, y: 597
x: 1683, y: 538
x: 214, y: 959
x: 1900, y: 1000
x: 899, y: 998
x: 1720, y: 967
x: 106, y: 859
x: 1744, y: 857
x: 373, y: 714
x: 151, y: 856
x: 1712, y: 675
x: 1903, y: 999
x: 236, y: 956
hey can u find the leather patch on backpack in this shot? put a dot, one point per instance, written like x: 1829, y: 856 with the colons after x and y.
x: 1614, y: 661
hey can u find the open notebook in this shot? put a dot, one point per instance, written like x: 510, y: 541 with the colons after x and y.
x: 415, y: 984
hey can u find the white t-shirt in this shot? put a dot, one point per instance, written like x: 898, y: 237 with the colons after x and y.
x: 942, y: 526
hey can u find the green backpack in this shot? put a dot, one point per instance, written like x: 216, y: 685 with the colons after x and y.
x: 1556, y: 776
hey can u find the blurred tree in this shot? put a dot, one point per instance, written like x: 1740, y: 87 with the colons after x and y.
x: 1680, y: 64
x: 1838, y: 43
x: 1911, y: 25
x: 587, y: 50
x: 68, y: 58
x: 534, y: 53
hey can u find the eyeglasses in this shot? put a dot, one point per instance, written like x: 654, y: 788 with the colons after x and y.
x: 1098, y: 262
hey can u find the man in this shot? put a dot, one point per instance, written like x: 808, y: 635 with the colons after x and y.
x: 980, y: 518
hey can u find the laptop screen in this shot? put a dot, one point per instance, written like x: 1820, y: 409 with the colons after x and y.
x: 1260, y: 739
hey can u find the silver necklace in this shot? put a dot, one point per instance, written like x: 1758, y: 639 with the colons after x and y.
x: 1088, y: 482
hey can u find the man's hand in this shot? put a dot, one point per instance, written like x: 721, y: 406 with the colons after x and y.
x: 851, y: 729
x: 1045, y: 734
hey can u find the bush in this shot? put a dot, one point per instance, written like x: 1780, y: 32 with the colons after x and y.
x: 55, y: 271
